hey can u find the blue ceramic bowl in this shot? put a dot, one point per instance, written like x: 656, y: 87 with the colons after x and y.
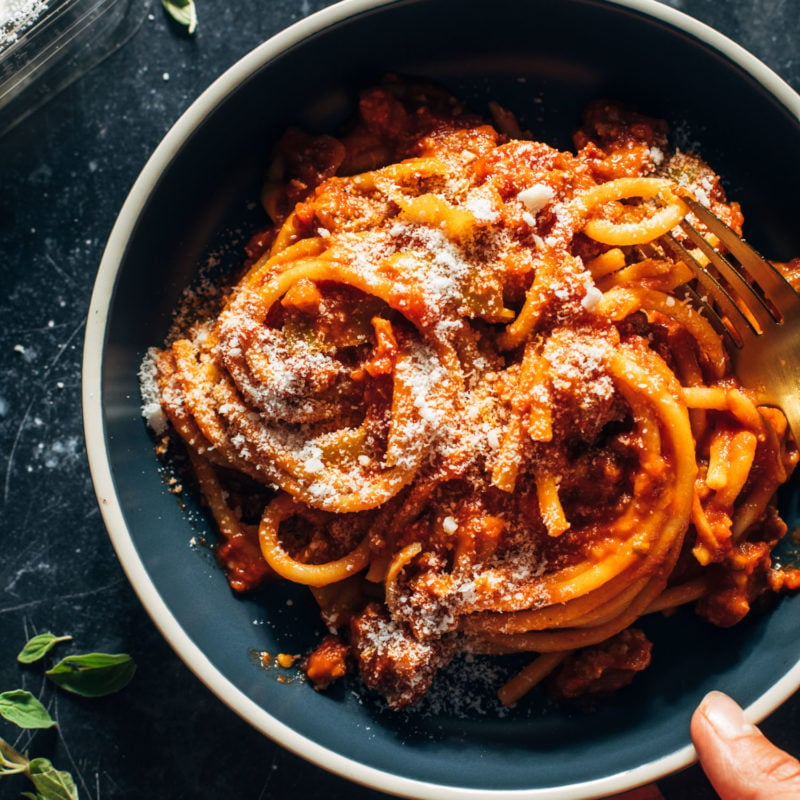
x: 546, y: 60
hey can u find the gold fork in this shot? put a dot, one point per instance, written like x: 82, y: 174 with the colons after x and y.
x: 753, y: 306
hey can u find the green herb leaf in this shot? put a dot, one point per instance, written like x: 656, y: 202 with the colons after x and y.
x: 93, y: 674
x: 183, y: 12
x: 24, y: 710
x: 11, y: 761
x: 39, y: 646
x: 51, y: 783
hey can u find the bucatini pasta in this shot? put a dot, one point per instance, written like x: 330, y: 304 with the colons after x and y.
x: 458, y: 392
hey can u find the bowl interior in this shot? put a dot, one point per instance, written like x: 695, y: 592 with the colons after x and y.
x: 545, y: 60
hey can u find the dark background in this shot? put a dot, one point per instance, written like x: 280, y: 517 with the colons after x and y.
x: 64, y: 172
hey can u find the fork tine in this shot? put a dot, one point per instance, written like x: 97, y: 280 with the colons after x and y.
x: 739, y: 324
x: 754, y: 303
x: 730, y: 336
x: 776, y: 288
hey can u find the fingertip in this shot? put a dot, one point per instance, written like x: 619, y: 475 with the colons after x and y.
x: 723, y: 714
x: 737, y: 758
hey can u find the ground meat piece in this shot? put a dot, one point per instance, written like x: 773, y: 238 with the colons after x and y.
x: 784, y: 579
x: 240, y: 557
x: 616, y: 142
x: 391, y: 661
x: 746, y: 579
x: 613, y: 127
x: 300, y: 163
x: 693, y: 174
x: 603, y: 668
x: 328, y: 662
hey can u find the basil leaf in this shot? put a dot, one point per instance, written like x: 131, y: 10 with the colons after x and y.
x: 93, y: 674
x: 51, y: 783
x: 39, y: 646
x: 183, y: 12
x: 24, y: 710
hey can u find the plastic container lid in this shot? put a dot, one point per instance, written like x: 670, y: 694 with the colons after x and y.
x: 47, y: 44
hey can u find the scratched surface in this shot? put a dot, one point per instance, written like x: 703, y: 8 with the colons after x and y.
x: 64, y: 172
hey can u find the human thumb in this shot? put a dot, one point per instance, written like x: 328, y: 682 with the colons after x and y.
x: 740, y: 762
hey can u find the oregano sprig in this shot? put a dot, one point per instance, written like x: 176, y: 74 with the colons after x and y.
x: 24, y: 710
x: 183, y: 12
x: 50, y: 783
x: 11, y: 762
x: 93, y: 674
x: 39, y: 646
x: 89, y: 675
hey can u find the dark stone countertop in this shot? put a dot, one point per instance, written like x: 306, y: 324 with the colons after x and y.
x: 64, y: 172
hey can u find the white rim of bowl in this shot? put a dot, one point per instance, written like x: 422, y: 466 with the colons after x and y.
x: 94, y: 429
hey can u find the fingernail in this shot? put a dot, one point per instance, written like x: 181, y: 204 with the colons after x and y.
x: 725, y: 716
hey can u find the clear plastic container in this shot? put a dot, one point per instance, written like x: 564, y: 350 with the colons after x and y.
x: 47, y: 44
